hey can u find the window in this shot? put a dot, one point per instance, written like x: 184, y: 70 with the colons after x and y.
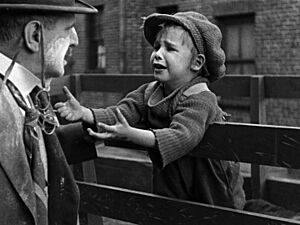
x: 238, y: 44
x: 97, y: 47
x: 170, y: 9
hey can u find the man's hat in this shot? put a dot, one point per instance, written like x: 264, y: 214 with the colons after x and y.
x: 67, y: 6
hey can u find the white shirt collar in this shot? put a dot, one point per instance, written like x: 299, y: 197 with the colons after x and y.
x: 22, y: 78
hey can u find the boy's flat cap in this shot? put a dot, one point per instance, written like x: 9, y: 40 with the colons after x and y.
x: 67, y: 6
x: 206, y: 37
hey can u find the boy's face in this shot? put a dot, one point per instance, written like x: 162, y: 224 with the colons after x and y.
x: 58, y: 41
x: 172, y: 56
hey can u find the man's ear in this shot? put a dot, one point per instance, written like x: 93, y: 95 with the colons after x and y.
x: 198, y: 62
x: 32, y: 35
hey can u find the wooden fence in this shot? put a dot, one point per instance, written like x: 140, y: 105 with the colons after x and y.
x: 252, y: 143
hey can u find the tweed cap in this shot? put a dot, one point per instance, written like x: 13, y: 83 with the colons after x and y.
x: 64, y: 6
x: 206, y: 37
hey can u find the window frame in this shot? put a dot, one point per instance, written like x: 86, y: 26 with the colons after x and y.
x: 95, y: 33
x: 239, y: 20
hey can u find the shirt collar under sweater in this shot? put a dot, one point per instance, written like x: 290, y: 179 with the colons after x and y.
x: 157, y: 97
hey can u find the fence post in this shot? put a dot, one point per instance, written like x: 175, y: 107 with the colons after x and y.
x: 257, y: 116
x: 75, y: 85
x: 84, y: 171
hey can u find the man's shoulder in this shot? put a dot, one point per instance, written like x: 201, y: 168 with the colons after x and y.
x: 8, y: 107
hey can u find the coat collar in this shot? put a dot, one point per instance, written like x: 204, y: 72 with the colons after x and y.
x: 13, y: 158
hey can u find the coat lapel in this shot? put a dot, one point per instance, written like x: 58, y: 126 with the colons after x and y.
x: 13, y: 158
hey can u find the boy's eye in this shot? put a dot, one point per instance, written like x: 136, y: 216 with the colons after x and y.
x: 169, y: 48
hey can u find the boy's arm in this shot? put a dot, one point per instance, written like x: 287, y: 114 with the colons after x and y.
x: 145, y: 138
x: 190, y: 119
x: 122, y: 130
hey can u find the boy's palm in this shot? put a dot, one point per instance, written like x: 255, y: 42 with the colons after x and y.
x: 118, y: 131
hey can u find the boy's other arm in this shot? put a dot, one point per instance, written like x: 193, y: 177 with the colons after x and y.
x: 123, y: 131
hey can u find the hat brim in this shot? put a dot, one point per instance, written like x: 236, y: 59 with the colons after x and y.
x: 151, y: 25
x: 79, y: 8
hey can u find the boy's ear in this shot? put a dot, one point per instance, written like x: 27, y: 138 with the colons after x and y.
x: 32, y: 35
x: 198, y: 62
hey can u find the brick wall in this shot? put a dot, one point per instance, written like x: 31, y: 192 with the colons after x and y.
x: 278, y: 37
x: 277, y: 32
x: 134, y: 10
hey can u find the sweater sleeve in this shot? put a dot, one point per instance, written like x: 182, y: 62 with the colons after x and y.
x: 190, y: 120
x: 132, y: 106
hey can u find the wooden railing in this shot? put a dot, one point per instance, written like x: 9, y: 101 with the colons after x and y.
x: 252, y: 143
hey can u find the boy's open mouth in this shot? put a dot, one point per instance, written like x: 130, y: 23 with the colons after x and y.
x: 158, y: 66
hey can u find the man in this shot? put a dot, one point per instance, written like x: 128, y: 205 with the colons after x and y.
x: 36, y: 184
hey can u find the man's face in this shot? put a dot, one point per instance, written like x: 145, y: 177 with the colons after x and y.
x: 58, y: 40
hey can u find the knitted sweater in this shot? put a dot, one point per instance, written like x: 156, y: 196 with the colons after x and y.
x: 179, y: 121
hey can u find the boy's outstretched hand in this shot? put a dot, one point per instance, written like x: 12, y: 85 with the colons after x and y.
x: 71, y: 109
x: 120, y: 130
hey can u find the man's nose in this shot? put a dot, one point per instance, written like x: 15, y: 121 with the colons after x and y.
x: 74, y: 37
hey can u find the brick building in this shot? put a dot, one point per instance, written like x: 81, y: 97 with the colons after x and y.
x: 260, y: 37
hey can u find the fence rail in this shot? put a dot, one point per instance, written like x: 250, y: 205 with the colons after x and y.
x: 149, y: 209
x: 252, y: 143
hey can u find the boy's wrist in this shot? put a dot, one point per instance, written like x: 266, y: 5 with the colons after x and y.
x: 129, y: 134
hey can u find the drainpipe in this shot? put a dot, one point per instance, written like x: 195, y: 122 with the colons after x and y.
x: 122, y: 35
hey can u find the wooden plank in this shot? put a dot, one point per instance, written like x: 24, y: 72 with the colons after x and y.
x: 56, y: 91
x: 257, y: 103
x: 278, y: 189
x: 113, y: 83
x: 276, y: 86
x: 284, y: 86
x: 258, y: 144
x: 124, y: 167
x: 57, y: 85
x: 258, y: 116
x: 232, y: 86
x: 251, y: 143
x: 144, y: 208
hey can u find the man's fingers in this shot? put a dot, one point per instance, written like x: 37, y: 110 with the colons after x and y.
x: 67, y: 93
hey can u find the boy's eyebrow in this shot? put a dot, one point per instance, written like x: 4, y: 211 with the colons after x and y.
x: 170, y: 43
x: 166, y: 42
